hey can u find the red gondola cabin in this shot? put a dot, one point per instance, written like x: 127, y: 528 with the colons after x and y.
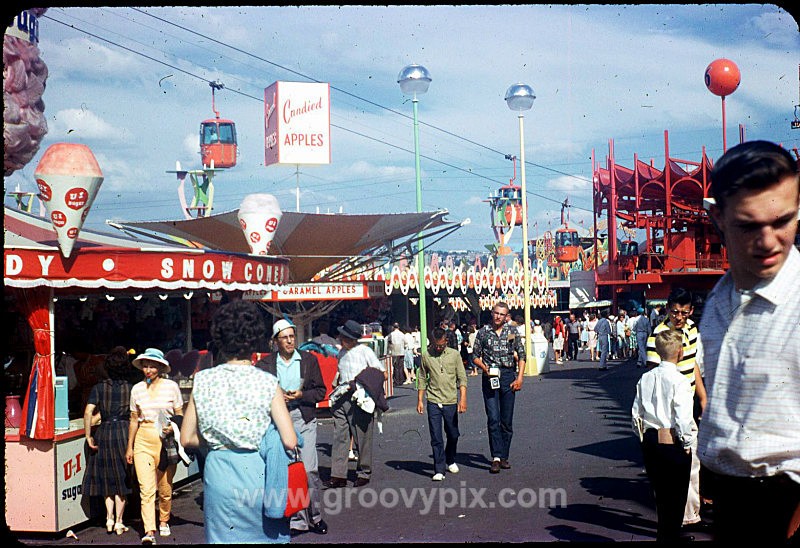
x: 218, y: 142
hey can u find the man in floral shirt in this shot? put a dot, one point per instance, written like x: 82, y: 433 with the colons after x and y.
x: 499, y: 352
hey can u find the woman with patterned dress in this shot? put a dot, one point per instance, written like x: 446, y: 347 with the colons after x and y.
x: 107, y: 474
x: 230, y: 409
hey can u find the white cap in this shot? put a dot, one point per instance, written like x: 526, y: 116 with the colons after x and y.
x: 280, y: 325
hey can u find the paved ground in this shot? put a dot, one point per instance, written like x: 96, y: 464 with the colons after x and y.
x: 576, y: 475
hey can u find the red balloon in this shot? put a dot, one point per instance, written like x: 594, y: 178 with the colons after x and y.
x: 722, y: 77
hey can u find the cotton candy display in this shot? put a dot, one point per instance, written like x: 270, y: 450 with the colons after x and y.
x: 24, y: 78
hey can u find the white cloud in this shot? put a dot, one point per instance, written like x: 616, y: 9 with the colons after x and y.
x: 81, y: 124
x: 191, y: 146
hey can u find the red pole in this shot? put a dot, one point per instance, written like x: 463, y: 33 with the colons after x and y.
x: 724, y: 140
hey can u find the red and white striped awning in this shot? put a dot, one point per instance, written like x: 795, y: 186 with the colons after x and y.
x: 32, y: 258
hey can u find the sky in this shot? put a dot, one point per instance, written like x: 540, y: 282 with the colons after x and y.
x: 132, y: 84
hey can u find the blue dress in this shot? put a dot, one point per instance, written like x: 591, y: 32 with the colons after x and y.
x: 232, y: 403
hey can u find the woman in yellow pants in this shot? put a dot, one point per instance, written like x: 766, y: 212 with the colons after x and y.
x: 153, y: 401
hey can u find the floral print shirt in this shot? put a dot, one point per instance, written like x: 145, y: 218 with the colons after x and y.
x: 233, y: 405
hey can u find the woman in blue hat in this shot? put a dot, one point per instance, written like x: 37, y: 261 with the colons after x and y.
x: 154, y: 401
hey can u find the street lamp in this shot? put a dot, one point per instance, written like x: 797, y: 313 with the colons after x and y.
x: 414, y: 80
x: 520, y: 97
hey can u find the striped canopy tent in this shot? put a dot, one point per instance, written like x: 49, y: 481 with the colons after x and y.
x: 36, y: 271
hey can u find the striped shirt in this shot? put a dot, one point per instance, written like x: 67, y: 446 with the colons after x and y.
x: 751, y: 347
x: 691, y: 343
x: 164, y: 396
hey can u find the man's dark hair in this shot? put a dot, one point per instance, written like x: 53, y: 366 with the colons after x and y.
x: 680, y: 296
x: 604, y: 313
x: 437, y: 333
x: 751, y: 165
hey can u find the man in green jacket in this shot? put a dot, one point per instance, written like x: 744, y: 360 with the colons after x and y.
x: 442, y: 374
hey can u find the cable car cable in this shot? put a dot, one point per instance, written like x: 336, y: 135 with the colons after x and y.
x: 259, y: 99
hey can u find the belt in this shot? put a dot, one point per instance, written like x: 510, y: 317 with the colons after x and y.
x: 117, y: 419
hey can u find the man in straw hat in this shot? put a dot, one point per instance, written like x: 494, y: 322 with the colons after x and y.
x: 300, y: 378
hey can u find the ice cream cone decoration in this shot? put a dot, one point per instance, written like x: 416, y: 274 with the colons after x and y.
x: 68, y: 178
x: 259, y: 215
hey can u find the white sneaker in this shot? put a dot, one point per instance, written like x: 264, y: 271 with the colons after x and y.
x: 164, y: 530
x: 452, y: 468
x: 438, y: 476
x: 352, y: 456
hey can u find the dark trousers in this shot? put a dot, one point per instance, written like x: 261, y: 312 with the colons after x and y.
x: 755, y: 510
x: 398, y: 369
x: 499, y: 406
x: 668, y: 468
x: 443, y: 455
x: 572, y: 346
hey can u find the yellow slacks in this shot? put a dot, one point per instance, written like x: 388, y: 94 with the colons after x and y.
x: 146, y: 456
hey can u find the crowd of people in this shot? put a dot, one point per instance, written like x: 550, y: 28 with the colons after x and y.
x: 716, y: 419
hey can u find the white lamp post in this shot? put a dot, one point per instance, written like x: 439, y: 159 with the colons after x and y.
x: 520, y: 97
x: 414, y: 80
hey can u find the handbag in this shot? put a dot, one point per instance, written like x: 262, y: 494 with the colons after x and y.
x: 297, y: 497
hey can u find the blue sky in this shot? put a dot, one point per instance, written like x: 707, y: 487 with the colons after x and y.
x: 599, y: 72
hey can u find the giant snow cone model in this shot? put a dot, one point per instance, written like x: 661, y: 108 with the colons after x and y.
x: 68, y: 178
x: 259, y: 215
x: 24, y: 77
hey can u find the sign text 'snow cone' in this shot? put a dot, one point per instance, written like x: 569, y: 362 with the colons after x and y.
x: 68, y: 178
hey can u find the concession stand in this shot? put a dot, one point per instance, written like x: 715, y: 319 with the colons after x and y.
x: 46, y: 454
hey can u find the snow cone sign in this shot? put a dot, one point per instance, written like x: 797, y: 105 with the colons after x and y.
x: 259, y: 215
x: 68, y: 178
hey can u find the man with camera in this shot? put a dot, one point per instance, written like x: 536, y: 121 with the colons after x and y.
x: 500, y: 354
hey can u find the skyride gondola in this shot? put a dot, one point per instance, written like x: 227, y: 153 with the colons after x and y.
x: 217, y: 137
x: 218, y: 151
x: 567, y: 241
x: 506, y: 206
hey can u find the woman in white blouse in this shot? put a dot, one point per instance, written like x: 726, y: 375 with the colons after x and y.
x: 153, y: 402
x: 230, y: 409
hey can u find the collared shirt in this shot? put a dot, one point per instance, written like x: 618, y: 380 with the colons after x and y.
x: 664, y: 400
x: 603, y: 327
x: 498, y: 350
x: 442, y: 375
x: 691, y: 344
x: 396, y: 342
x: 621, y: 324
x: 289, y: 372
x: 163, y: 398
x: 354, y: 361
x: 751, y: 348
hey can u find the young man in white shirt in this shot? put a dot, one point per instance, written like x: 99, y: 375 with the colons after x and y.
x: 750, y: 432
